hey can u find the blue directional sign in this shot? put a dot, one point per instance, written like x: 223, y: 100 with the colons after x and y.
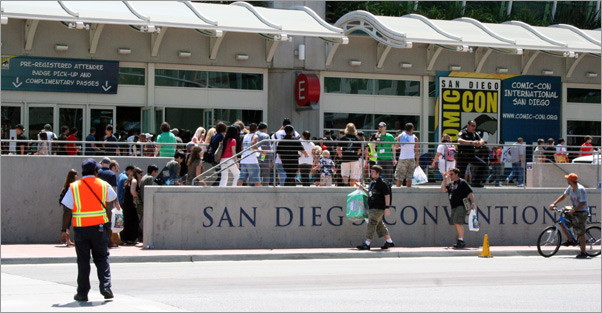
x: 59, y: 75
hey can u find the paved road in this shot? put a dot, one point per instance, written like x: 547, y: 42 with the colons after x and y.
x: 413, y: 284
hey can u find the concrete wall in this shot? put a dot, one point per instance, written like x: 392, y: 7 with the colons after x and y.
x: 213, y: 218
x: 31, y: 186
x: 552, y: 174
x: 290, y: 217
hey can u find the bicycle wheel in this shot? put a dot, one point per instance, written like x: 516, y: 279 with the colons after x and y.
x: 548, y: 242
x: 592, y: 241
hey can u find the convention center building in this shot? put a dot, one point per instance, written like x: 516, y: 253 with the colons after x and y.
x: 135, y: 64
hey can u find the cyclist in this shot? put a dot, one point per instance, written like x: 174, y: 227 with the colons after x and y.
x: 578, y: 213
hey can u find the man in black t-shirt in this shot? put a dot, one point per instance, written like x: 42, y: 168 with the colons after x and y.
x: 21, y: 146
x: 348, y: 150
x: 110, y: 149
x: 468, y: 141
x: 458, y: 189
x: 288, y: 151
x: 379, y: 201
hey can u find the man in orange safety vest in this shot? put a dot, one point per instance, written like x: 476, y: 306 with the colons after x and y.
x: 87, y: 199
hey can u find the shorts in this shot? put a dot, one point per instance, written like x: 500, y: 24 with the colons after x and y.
x: 458, y: 215
x: 352, y: 170
x: 579, y: 220
x: 251, y: 172
x: 325, y: 180
x: 405, y: 169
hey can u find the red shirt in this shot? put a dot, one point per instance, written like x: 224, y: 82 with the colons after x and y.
x: 70, y: 147
x: 586, y: 151
x: 228, y: 148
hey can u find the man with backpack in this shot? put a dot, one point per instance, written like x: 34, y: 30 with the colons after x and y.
x: 209, y: 162
x: 446, y: 155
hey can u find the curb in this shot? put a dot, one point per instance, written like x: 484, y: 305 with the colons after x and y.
x: 376, y: 254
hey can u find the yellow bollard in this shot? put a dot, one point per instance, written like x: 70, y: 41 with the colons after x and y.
x: 486, y: 253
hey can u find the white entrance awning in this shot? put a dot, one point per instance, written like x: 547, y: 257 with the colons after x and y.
x: 236, y: 17
x: 463, y: 33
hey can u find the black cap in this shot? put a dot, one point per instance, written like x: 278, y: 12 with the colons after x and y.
x: 89, y: 165
x: 20, y: 126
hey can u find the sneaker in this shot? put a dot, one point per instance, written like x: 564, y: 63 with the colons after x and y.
x: 363, y: 246
x: 569, y: 243
x: 107, y: 293
x: 388, y: 245
x: 581, y: 256
x: 82, y: 298
x: 460, y: 244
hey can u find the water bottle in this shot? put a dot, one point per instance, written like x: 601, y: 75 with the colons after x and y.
x: 475, y: 221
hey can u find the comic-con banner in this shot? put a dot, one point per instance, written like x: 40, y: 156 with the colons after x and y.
x: 463, y: 99
x: 531, y: 108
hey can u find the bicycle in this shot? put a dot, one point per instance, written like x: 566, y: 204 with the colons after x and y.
x: 549, y: 240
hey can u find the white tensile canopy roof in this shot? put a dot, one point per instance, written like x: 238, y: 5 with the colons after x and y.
x: 509, y: 36
x: 208, y: 17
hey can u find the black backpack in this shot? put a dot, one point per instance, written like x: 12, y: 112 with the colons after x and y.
x: 210, y: 154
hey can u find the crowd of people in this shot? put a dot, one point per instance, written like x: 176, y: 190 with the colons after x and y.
x: 213, y: 156
x: 290, y: 158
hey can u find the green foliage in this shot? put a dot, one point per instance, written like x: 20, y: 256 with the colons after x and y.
x: 578, y: 14
x: 581, y: 14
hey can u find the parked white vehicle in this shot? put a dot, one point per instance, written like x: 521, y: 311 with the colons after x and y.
x: 588, y: 159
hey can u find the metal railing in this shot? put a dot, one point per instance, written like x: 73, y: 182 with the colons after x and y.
x: 91, y: 148
x: 276, y: 176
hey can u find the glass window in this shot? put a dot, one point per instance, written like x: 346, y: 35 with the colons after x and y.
x: 231, y: 116
x: 337, y: 121
x: 577, y: 130
x: 11, y: 116
x: 246, y: 81
x: 180, y: 78
x: 396, y: 123
x: 332, y: 84
x: 72, y: 118
x: 128, y: 119
x: 368, y: 122
x: 184, y: 119
x: 99, y: 119
x: 353, y: 86
x: 398, y: 87
x: 38, y: 117
x: 582, y: 95
x: 432, y: 89
x: 132, y: 76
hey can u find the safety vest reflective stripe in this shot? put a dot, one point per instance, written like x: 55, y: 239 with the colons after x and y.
x: 78, y: 204
x: 94, y: 213
x: 87, y: 210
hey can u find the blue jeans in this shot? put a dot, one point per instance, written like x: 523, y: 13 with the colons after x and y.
x: 517, y: 172
x: 281, y: 173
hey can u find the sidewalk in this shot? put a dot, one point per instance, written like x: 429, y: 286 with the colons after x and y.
x: 54, y: 253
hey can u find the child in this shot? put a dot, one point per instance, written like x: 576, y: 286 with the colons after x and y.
x: 326, y: 169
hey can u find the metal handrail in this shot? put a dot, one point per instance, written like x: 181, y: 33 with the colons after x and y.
x: 234, y: 156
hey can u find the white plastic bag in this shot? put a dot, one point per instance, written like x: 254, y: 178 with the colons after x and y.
x: 419, y: 176
x: 116, y: 220
x: 473, y: 221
